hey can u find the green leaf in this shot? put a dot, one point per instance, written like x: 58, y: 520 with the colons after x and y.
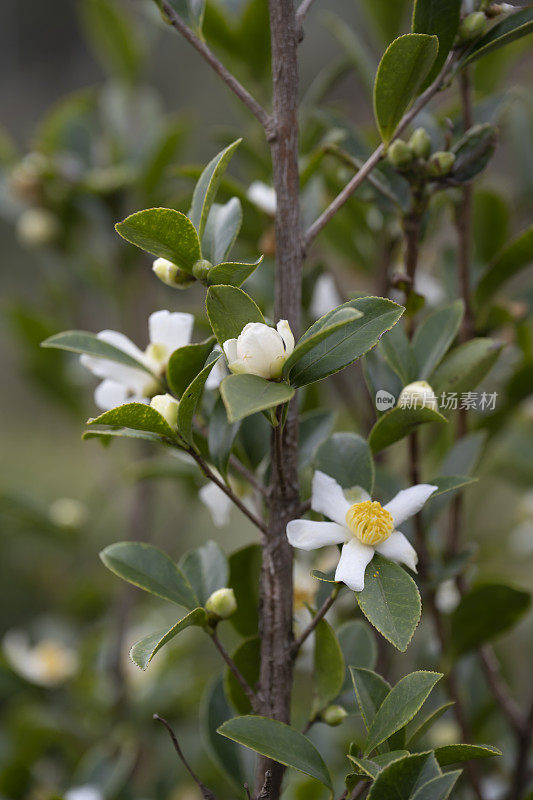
x: 190, y: 400
x: 347, y: 458
x: 222, y: 228
x: 370, y: 690
x: 508, y: 30
x: 244, y: 571
x: 405, y: 65
x: 455, y: 753
x: 358, y: 647
x: 315, y: 427
x: 150, y: 569
x: 438, y: 788
x: 399, y: 354
x: 206, y: 569
x: 89, y: 343
x: 400, y: 706
x: 232, y: 273
x: 185, y: 363
x: 398, y: 423
x: 372, y: 767
x: 106, y: 436
x: 490, y: 224
x: 435, y: 335
x: 207, y: 187
x: 244, y: 395
x: 390, y: 601
x: 144, y: 650
x: 192, y: 12
x: 279, y: 742
x: 439, y: 17
x: 221, y: 437
x: 427, y: 723
x: 473, y: 152
x: 229, y: 309
x: 329, y: 670
x: 514, y: 257
x: 138, y: 416
x: 247, y: 658
x: 226, y: 754
x: 484, y: 613
x: 465, y: 366
x: 400, y: 778
x: 112, y: 38
x: 165, y: 233
x: 345, y: 346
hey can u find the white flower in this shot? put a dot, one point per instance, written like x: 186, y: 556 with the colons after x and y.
x: 218, y: 373
x: 363, y: 528
x: 262, y: 196
x: 122, y: 383
x: 167, y: 406
x: 325, y: 296
x: 48, y: 663
x: 418, y: 394
x: 217, y: 502
x: 260, y: 349
x: 447, y: 596
x: 85, y: 792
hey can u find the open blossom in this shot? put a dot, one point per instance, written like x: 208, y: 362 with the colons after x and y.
x: 260, y: 349
x: 363, y: 528
x: 48, y: 663
x: 121, y: 383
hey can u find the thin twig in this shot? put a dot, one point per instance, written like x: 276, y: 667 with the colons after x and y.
x: 229, y: 79
x: 301, y: 14
x: 375, y: 158
x: 247, y: 689
x: 356, y: 164
x: 207, y: 794
x: 254, y: 482
x: 320, y: 614
x: 520, y: 774
x: 498, y: 687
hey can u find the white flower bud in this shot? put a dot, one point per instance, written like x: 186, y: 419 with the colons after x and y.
x: 37, y: 227
x: 172, y: 275
x: 418, y: 394
x: 260, y: 349
x: 334, y: 715
x: 167, y: 407
x: 221, y: 604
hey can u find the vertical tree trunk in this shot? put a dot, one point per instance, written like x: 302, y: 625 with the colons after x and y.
x: 276, y: 575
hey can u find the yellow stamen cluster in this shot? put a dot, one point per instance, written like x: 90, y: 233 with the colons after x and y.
x: 369, y: 522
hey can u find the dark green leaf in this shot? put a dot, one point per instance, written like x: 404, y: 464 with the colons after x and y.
x: 89, y: 343
x: 229, y: 309
x: 165, y: 233
x: 185, y: 363
x: 247, y: 658
x: 439, y: 17
x: 329, y: 670
x: 371, y: 690
x: 315, y: 427
x: 231, y: 273
x: 515, y: 256
x: 371, y: 767
x: 455, y: 753
x: 438, y: 788
x: 399, y: 354
x: 398, y: 423
x: 106, y: 436
x: 347, y: 458
x: 400, y: 778
x: 221, y: 437
x: 245, y: 568
x: 427, y: 723
x: 244, y: 395
x: 465, y: 366
x: 191, y: 398
x: 473, y: 152
x: 207, y: 187
x: 144, y: 650
x: 138, y: 416
x: 225, y: 753
x: 358, y: 647
x: 435, y: 335
x: 206, y: 569
x: 508, y: 30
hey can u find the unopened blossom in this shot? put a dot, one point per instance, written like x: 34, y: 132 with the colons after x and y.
x: 418, y: 394
x: 122, y: 383
x: 217, y: 502
x: 260, y: 349
x: 325, y: 296
x: 262, y: 196
x: 167, y: 406
x: 50, y: 662
x: 363, y: 528
x: 172, y: 275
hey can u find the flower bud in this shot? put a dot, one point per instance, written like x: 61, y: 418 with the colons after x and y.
x: 440, y: 164
x: 334, y: 715
x: 201, y: 269
x: 400, y: 154
x: 221, y: 604
x: 420, y: 143
x: 37, y: 227
x: 172, y: 275
x: 167, y: 406
x: 418, y: 394
x: 260, y: 349
x: 472, y: 27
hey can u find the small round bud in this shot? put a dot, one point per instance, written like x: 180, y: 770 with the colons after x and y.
x: 420, y: 143
x: 167, y: 406
x: 200, y: 269
x: 440, y: 164
x: 400, y: 154
x: 418, y: 394
x: 334, y: 715
x: 221, y: 604
x: 37, y: 227
x: 472, y: 27
x: 172, y: 275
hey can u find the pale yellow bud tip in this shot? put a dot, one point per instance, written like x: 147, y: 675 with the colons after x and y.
x: 221, y: 604
x: 167, y: 406
x: 418, y: 394
x: 334, y: 715
x: 171, y: 275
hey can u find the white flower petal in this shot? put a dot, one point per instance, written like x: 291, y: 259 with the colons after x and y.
x: 284, y: 330
x: 306, y: 534
x: 122, y: 342
x: 110, y: 394
x: 217, y: 375
x: 217, y: 502
x: 263, y: 196
x: 328, y: 498
x: 230, y: 350
x: 354, y: 559
x: 170, y: 329
x: 409, y: 502
x: 133, y: 379
x: 398, y: 548
x: 325, y: 296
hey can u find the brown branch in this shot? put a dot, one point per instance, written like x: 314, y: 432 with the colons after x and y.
x: 239, y: 467
x: 247, y: 689
x: 229, y: 79
x: 207, y: 794
x: 320, y: 614
x: 356, y: 164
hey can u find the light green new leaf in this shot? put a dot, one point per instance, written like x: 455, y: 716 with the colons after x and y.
x: 401, y: 777
x: 398, y: 423
x: 508, y: 30
x: 279, y: 742
x: 390, y: 601
x: 514, y: 257
x: 455, y: 753
x: 150, y: 569
x: 207, y: 187
x: 90, y: 344
x: 247, y: 658
x: 231, y: 273
x: 370, y: 690
x: 145, y: 649
x: 165, y: 233
x: 185, y: 363
x: 484, y: 613
x: 191, y: 398
x: 402, y: 70
x: 465, y: 366
x: 347, y: 458
x: 441, y: 18
x: 229, y: 309
x: 138, y: 416
x: 435, y: 335
x: 206, y: 569
x: 329, y: 670
x: 221, y: 230
x: 438, y: 788
x: 244, y: 395
x: 400, y: 706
